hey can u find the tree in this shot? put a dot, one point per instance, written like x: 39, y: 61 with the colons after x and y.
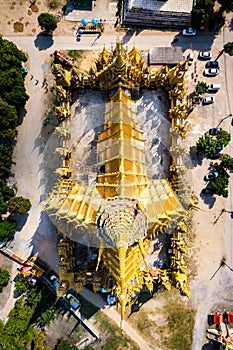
x: 19, y: 205
x: 228, y: 48
x: 47, y: 21
x: 63, y: 344
x: 206, y: 145
x: 201, y: 88
x: 227, y: 5
x: 226, y: 161
x: 4, y: 279
x: 201, y: 11
x: 8, y: 120
x: 220, y: 185
x: 223, y: 138
x: 12, y: 87
x: 7, y: 229
x: 22, y: 285
x: 11, y: 79
x: 6, y: 152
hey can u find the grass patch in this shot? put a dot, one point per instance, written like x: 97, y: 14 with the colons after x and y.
x: 112, y: 337
x: 77, y: 54
x: 180, y: 324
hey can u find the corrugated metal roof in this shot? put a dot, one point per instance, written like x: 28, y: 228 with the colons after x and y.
x: 165, y: 55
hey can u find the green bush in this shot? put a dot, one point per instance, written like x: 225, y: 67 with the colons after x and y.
x: 19, y: 205
x: 220, y: 185
x: 4, y: 279
x: 7, y: 229
x: 47, y: 21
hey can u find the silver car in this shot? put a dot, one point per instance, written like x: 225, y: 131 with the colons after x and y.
x: 205, y: 55
x: 208, y: 100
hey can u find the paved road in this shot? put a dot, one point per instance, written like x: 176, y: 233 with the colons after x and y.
x: 144, y: 40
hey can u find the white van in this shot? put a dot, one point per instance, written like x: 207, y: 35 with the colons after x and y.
x: 214, y: 87
x: 190, y: 58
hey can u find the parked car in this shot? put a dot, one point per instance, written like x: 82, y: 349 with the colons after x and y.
x: 211, y: 176
x: 189, y: 32
x: 74, y: 302
x: 205, y: 55
x: 211, y: 72
x: 2, y: 244
x: 190, y: 58
x: 212, y: 64
x: 213, y: 131
x: 55, y: 281
x: 208, y: 190
x: 111, y: 299
x: 208, y: 100
x: 214, y: 155
x: 219, y: 148
x: 213, y: 87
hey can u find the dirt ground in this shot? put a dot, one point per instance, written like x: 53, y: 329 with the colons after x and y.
x: 19, y: 17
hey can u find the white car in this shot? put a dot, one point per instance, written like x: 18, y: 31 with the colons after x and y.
x: 211, y: 72
x: 214, y: 87
x: 211, y: 176
x: 189, y: 32
x: 205, y: 55
x: 208, y: 100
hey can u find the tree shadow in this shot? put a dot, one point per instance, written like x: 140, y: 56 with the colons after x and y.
x: 211, y: 346
x: 21, y: 111
x: 208, y: 199
x: 20, y: 220
x: 196, y: 159
x: 43, y: 42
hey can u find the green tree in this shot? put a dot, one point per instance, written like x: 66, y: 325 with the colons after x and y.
x: 228, y: 48
x: 198, y: 18
x: 39, y: 342
x: 47, y: 21
x: 2, y: 203
x: 7, y: 229
x: 6, y: 152
x: 5, y: 194
x: 63, y: 344
x: 220, y: 185
x: 201, y: 11
x: 206, y: 145
x: 227, y: 5
x: 201, y: 88
x: 4, y: 279
x: 8, y: 120
x: 12, y: 87
x: 22, y: 285
x: 223, y: 138
x: 226, y: 161
x: 19, y: 205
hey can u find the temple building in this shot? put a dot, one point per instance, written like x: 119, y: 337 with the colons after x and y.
x: 116, y: 218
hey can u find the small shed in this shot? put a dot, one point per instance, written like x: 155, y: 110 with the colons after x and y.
x: 165, y: 56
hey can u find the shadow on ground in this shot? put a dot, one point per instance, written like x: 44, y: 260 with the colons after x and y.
x: 43, y: 42
x: 211, y: 346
